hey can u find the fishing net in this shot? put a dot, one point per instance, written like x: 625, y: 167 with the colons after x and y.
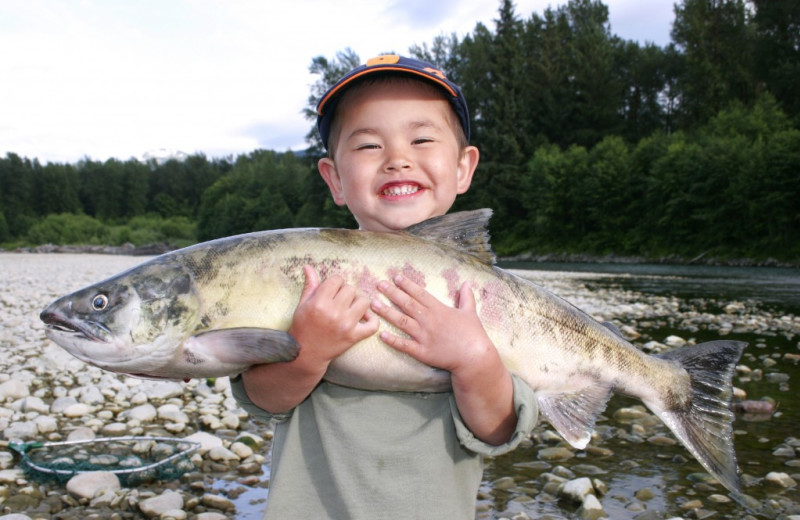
x: 133, y: 459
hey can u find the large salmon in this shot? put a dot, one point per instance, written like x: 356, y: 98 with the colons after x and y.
x: 215, y: 308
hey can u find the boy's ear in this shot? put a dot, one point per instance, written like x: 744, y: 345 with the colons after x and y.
x: 470, y: 156
x: 327, y: 168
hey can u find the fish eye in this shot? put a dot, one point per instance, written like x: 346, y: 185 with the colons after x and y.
x: 100, y: 302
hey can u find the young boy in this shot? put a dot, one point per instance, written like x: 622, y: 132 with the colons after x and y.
x: 397, y: 133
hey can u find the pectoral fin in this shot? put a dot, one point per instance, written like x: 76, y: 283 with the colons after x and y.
x: 248, y: 345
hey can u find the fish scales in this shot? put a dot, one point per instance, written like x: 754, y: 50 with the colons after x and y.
x: 215, y: 308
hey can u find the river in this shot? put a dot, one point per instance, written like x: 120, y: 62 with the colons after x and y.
x: 773, y: 287
x: 647, y: 481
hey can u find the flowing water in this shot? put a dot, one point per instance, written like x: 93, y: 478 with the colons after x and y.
x: 774, y: 287
x: 651, y: 481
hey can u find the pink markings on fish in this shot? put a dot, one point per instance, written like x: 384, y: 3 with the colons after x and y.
x: 408, y: 271
x: 453, y: 279
x: 494, y: 300
x: 367, y: 282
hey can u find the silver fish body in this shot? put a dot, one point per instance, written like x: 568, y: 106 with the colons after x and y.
x: 215, y: 308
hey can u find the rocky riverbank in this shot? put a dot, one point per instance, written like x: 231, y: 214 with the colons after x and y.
x: 46, y: 395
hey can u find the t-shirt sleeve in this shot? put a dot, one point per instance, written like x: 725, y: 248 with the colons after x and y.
x: 240, y: 394
x: 527, y: 416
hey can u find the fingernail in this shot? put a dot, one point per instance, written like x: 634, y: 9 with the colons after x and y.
x: 398, y: 278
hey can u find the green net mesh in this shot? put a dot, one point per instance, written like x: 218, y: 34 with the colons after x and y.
x: 133, y: 459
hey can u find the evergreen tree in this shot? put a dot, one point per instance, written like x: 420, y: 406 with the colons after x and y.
x: 716, y: 44
x: 777, y: 51
x: 58, y: 189
x: 17, y: 193
x: 329, y: 72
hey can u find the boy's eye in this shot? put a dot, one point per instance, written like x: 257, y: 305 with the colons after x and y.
x: 367, y: 146
x: 422, y: 140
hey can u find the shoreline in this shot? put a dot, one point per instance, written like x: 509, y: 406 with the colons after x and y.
x: 577, y: 258
x: 581, y: 258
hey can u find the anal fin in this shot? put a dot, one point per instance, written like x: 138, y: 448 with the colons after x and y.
x: 573, y: 414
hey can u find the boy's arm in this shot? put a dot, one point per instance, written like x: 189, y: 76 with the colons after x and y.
x: 454, y: 339
x: 330, y: 318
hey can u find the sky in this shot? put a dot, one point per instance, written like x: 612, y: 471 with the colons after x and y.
x: 104, y: 79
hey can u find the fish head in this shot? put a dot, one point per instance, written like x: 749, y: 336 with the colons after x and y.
x: 128, y: 322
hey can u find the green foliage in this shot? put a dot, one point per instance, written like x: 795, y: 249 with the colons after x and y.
x: 151, y: 229
x: 329, y: 72
x: 66, y: 228
x: 262, y: 191
x: 79, y: 229
x: 5, y: 236
x: 777, y: 51
x: 717, y: 44
x: 725, y: 189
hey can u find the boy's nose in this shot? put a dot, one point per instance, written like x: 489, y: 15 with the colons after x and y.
x: 397, y: 161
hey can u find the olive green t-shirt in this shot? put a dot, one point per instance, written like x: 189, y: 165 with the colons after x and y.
x: 349, y: 454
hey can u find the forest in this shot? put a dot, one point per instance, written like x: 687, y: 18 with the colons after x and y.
x: 590, y: 145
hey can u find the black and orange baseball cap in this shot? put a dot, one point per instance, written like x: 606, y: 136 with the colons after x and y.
x: 387, y: 64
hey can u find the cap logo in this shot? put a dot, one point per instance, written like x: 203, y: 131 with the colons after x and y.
x: 386, y: 59
x: 436, y: 72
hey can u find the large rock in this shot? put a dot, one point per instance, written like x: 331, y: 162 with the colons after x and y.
x: 22, y: 430
x: 206, y: 440
x: 10, y: 476
x: 144, y: 413
x: 156, y: 506
x: 88, y: 485
x: 780, y: 479
x: 14, y: 389
x: 172, y: 413
x: 592, y: 509
x: 578, y: 489
x: 162, y: 389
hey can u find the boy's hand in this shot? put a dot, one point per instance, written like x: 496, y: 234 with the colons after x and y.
x: 330, y: 317
x: 450, y: 338
x: 453, y: 338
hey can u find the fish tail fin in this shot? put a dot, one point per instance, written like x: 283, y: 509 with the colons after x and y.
x: 705, y: 424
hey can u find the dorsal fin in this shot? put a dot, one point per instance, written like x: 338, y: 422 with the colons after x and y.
x: 466, y: 231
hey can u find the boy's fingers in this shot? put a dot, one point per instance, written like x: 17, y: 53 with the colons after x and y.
x: 411, y: 288
x: 310, y: 283
x: 406, y: 345
x: 401, y: 296
x: 369, y: 323
x: 466, y: 298
x: 399, y: 319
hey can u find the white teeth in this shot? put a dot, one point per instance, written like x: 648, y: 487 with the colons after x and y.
x: 405, y: 189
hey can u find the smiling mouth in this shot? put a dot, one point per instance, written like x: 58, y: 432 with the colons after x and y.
x: 400, y: 190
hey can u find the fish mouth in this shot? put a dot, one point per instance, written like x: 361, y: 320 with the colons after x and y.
x: 87, y: 330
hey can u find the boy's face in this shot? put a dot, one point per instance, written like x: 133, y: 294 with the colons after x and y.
x: 396, y: 160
